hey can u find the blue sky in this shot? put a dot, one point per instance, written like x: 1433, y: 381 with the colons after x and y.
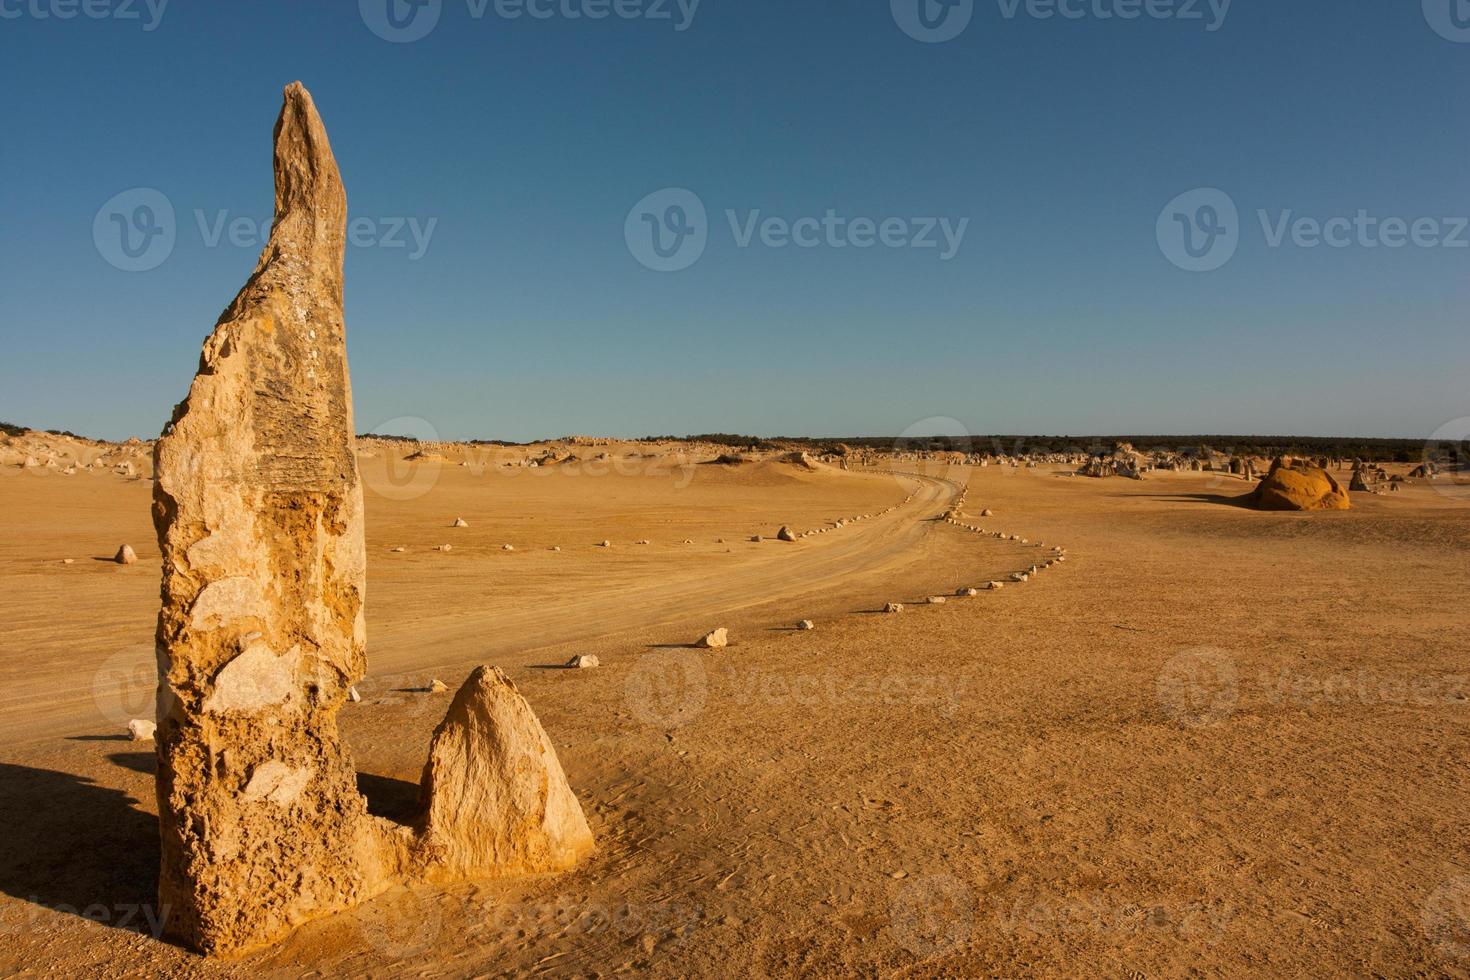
x: 523, y: 312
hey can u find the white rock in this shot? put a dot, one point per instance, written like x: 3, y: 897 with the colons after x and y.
x: 507, y: 547
x: 141, y: 730
x: 714, y: 639
x: 353, y: 696
x: 460, y: 522
x: 968, y: 592
x: 936, y: 600
x: 806, y: 624
x: 893, y: 607
x: 436, y: 686
x: 995, y: 585
x: 583, y: 661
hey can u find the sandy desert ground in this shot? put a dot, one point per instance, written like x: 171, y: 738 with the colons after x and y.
x: 1212, y: 742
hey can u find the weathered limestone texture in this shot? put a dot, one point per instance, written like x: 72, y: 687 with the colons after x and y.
x: 261, y: 635
x: 497, y: 802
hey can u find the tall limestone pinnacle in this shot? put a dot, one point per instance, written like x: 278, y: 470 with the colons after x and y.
x: 259, y: 512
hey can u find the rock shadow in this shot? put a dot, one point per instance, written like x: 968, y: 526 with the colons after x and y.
x: 76, y: 847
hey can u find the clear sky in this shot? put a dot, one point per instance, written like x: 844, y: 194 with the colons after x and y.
x: 520, y: 148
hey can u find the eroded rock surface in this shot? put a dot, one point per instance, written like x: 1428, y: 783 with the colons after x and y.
x: 258, y: 508
x: 261, y: 636
x: 496, y: 799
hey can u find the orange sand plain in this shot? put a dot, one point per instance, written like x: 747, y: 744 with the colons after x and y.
x: 1212, y: 740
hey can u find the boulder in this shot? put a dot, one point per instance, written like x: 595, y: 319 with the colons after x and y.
x: 786, y: 534
x: 893, y: 607
x: 584, y: 661
x: 126, y: 555
x: 967, y: 592
x: 141, y: 730
x: 714, y: 639
x: 1298, y: 487
x: 806, y: 624
x: 496, y: 801
x: 436, y: 686
x: 460, y: 522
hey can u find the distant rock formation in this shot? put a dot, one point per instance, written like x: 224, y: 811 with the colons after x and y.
x: 1298, y: 486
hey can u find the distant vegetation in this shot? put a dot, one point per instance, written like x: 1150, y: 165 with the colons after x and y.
x: 12, y: 430
x: 1383, y: 450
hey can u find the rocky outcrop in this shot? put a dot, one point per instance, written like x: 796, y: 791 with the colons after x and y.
x: 258, y: 509
x: 1298, y: 486
x: 261, y: 636
x: 496, y: 800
